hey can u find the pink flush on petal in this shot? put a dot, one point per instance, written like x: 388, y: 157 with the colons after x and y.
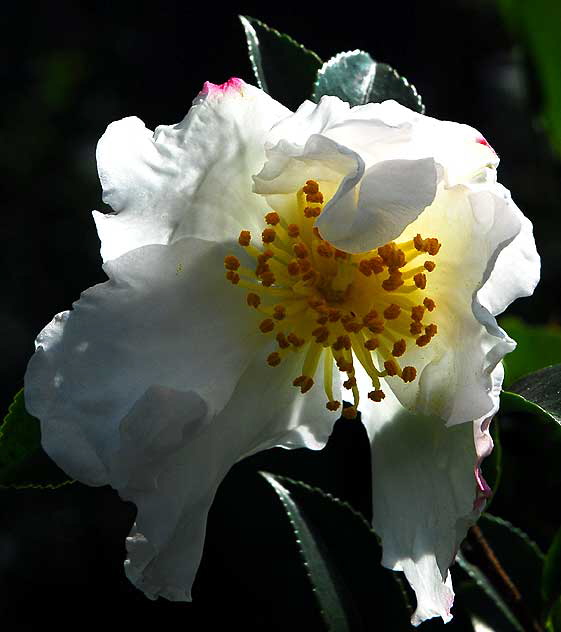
x: 483, y: 141
x: 232, y: 84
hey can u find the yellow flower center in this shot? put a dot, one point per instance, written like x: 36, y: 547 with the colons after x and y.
x: 330, y: 305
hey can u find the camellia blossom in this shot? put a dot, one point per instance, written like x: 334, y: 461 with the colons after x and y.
x: 263, y: 267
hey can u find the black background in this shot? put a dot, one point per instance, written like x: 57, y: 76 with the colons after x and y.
x: 67, y: 71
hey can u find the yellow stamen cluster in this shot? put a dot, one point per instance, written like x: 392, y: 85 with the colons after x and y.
x: 334, y: 306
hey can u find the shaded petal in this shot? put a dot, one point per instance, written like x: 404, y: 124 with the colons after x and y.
x: 166, y: 543
x: 475, y: 225
x: 189, y: 179
x: 501, y: 285
x: 393, y: 193
x: 423, y: 492
x: 159, y: 320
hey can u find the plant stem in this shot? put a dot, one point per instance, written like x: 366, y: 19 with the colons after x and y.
x: 490, y: 565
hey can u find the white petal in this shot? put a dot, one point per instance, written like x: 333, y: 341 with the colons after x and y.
x: 166, y: 543
x: 423, y: 491
x: 189, y: 179
x: 515, y: 272
x: 392, y: 194
x: 475, y: 225
x: 166, y: 317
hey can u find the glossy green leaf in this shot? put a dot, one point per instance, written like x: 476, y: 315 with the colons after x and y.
x: 22, y: 460
x: 543, y: 389
x: 551, y: 580
x: 536, y: 25
x: 522, y: 562
x: 553, y: 621
x: 342, y: 557
x: 283, y: 68
x: 356, y: 78
x: 537, y: 347
x: 482, y: 600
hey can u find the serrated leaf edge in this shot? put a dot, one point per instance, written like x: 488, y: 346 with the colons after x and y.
x: 247, y: 23
x: 49, y: 486
x: 344, y: 54
x: 523, y: 536
x: 483, y: 583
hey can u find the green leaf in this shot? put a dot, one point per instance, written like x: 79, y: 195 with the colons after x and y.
x: 483, y: 601
x: 537, y: 347
x: 553, y: 622
x: 521, y: 560
x: 283, y: 68
x: 356, y: 78
x: 537, y: 26
x: 342, y: 557
x: 22, y: 460
x: 551, y: 580
x: 543, y: 390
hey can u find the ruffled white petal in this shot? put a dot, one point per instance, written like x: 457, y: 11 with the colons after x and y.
x: 166, y: 542
x: 392, y: 194
x: 159, y: 320
x: 423, y: 492
x: 475, y: 225
x: 189, y: 179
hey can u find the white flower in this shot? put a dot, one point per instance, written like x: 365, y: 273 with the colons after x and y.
x: 370, y: 243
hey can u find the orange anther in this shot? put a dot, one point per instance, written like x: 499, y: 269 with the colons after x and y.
x: 420, y: 280
x: 416, y: 327
x: 293, y: 230
x: 305, y: 265
x: 340, y: 254
x: 265, y: 256
x: 272, y: 218
x: 431, y: 330
x: 295, y: 340
x: 312, y: 211
x: 244, y: 238
x: 315, y: 198
x: 321, y: 334
x: 419, y: 242
x: 350, y: 383
x: 393, y: 282
x: 266, y: 325
x: 231, y: 262
x: 433, y: 246
x: 349, y: 412
x: 391, y: 367
x: 376, y: 326
x: 282, y: 341
x: 253, y: 300
x: 409, y: 373
x: 364, y: 267
x: 334, y: 315
x: 311, y: 187
x: 399, y: 348
x: 392, y: 312
x: 233, y: 277
x: 268, y: 235
x: 279, y: 312
x: 293, y: 268
x: 268, y: 279
x: 304, y: 382
x: 417, y: 313
x: 300, y: 250
x: 324, y: 250
x: 273, y: 359
x: 333, y: 405
x: 372, y: 343
x: 262, y: 268
x: 429, y: 304
x: 376, y: 264
x: 422, y: 341
x: 429, y: 266
x: 377, y: 395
